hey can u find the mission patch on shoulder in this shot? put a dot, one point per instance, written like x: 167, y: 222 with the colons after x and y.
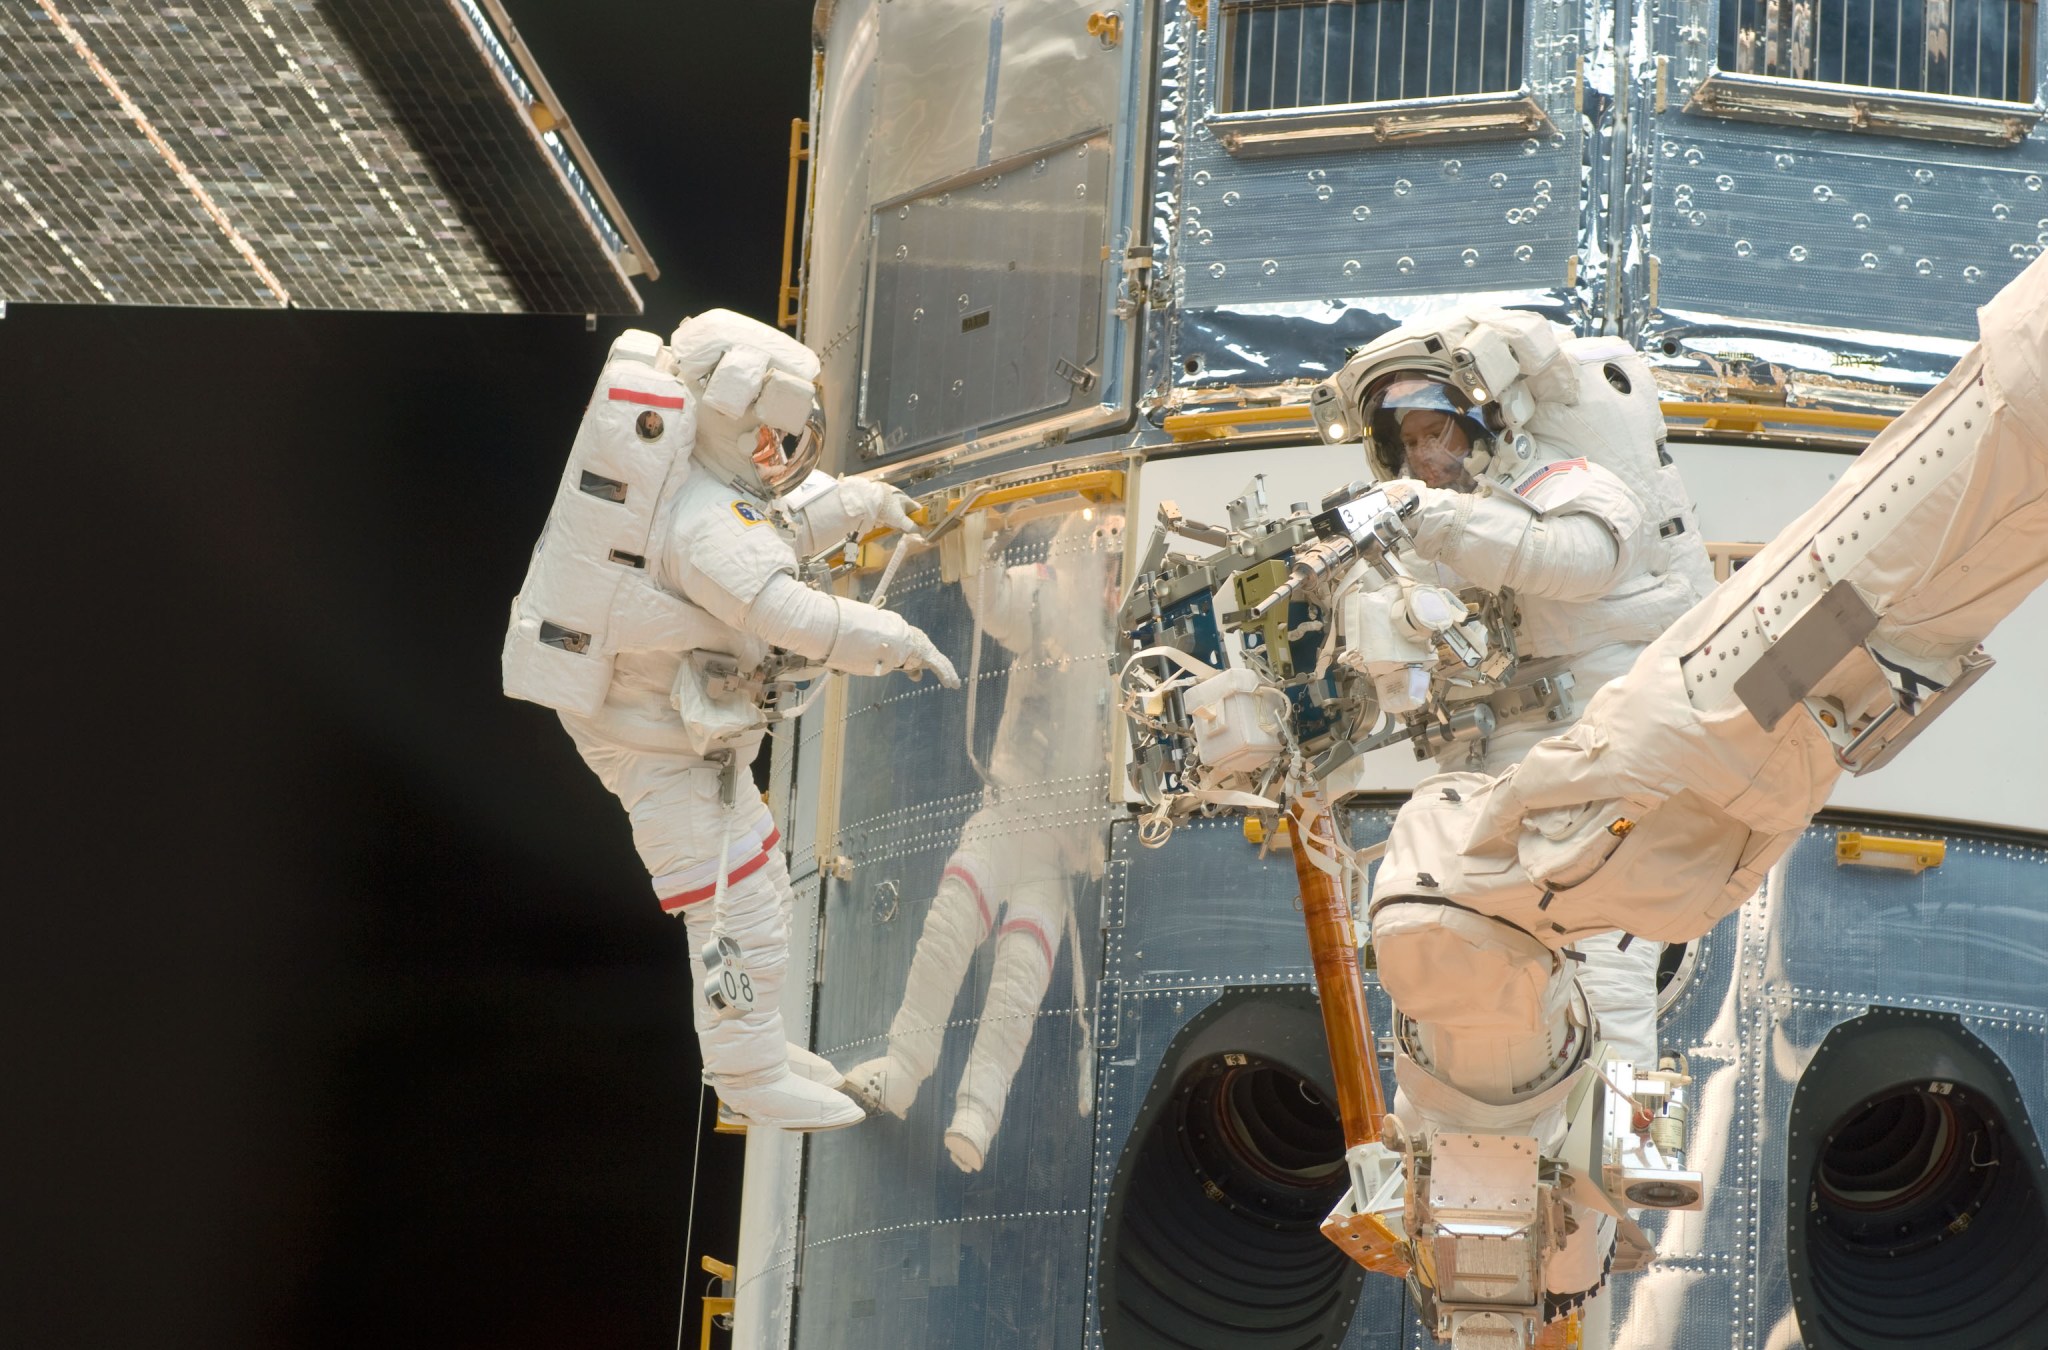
x: 749, y: 513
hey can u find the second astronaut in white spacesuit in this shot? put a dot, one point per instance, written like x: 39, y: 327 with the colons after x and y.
x: 1684, y: 780
x: 1033, y: 840
x: 1584, y: 520
x: 664, y: 617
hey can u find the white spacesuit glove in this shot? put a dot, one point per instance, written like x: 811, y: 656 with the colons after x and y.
x: 877, y: 504
x: 925, y: 655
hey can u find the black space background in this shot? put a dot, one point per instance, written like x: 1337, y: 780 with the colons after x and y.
x: 344, y: 1014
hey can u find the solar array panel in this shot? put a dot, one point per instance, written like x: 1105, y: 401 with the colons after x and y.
x: 350, y: 154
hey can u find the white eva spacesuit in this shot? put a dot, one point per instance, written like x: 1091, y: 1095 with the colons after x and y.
x: 663, y: 616
x: 1013, y: 874
x: 1575, y: 508
x: 1689, y: 775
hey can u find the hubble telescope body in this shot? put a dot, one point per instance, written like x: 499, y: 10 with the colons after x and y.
x: 1067, y: 267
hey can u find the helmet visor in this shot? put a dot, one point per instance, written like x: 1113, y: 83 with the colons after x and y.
x: 786, y: 458
x: 1422, y: 427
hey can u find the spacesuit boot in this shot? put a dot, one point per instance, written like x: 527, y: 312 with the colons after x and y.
x: 747, y: 1058
x: 960, y: 917
x: 815, y: 1067
x: 1016, y: 989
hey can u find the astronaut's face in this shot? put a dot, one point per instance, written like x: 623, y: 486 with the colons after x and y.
x: 1434, y: 446
x: 768, y: 457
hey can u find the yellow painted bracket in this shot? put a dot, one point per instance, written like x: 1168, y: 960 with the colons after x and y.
x: 789, y: 307
x: 1218, y: 424
x: 1367, y: 1239
x: 1255, y: 831
x: 1749, y: 419
x: 1566, y: 1333
x: 1094, y: 485
x: 1877, y: 850
x: 719, y: 1306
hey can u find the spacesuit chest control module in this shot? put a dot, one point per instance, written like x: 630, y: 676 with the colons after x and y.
x: 669, y: 618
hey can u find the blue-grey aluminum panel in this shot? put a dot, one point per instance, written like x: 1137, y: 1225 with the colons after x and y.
x: 1816, y: 228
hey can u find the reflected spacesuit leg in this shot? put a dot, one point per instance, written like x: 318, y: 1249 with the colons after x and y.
x: 962, y: 913
x: 1033, y: 924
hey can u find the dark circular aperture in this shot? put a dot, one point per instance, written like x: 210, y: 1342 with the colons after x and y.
x: 1265, y: 1141
x: 1917, y: 1217
x: 1214, y: 1229
x: 1908, y: 1171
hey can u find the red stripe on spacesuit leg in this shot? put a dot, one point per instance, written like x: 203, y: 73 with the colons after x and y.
x: 1028, y: 926
x: 966, y: 878
x: 671, y: 903
x: 651, y: 400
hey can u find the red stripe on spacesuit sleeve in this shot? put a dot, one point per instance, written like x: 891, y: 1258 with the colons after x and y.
x: 671, y: 903
x: 961, y: 875
x: 651, y: 400
x: 1027, y: 926
x: 1546, y: 472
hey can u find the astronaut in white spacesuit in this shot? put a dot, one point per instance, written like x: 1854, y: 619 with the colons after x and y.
x: 1578, y: 513
x: 1014, y: 872
x: 1691, y: 773
x: 665, y: 617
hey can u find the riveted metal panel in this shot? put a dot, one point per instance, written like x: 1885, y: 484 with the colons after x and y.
x: 988, y: 301
x: 1820, y: 946
x: 1285, y: 259
x: 1784, y: 232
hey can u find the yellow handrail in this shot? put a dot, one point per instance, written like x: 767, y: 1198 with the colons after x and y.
x: 1092, y: 485
x: 1880, y: 850
x: 1754, y: 417
x: 718, y: 1305
x: 789, y: 306
x: 1097, y: 485
x: 1217, y: 423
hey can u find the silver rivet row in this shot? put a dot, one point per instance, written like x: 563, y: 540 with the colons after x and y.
x: 879, y: 1037
x: 937, y: 1223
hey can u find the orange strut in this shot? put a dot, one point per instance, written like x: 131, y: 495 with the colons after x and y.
x: 1361, y: 1101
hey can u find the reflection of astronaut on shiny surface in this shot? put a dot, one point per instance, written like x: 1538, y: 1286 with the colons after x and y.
x: 1687, y: 776
x: 1574, y: 510
x: 663, y: 616
x: 1037, y: 834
